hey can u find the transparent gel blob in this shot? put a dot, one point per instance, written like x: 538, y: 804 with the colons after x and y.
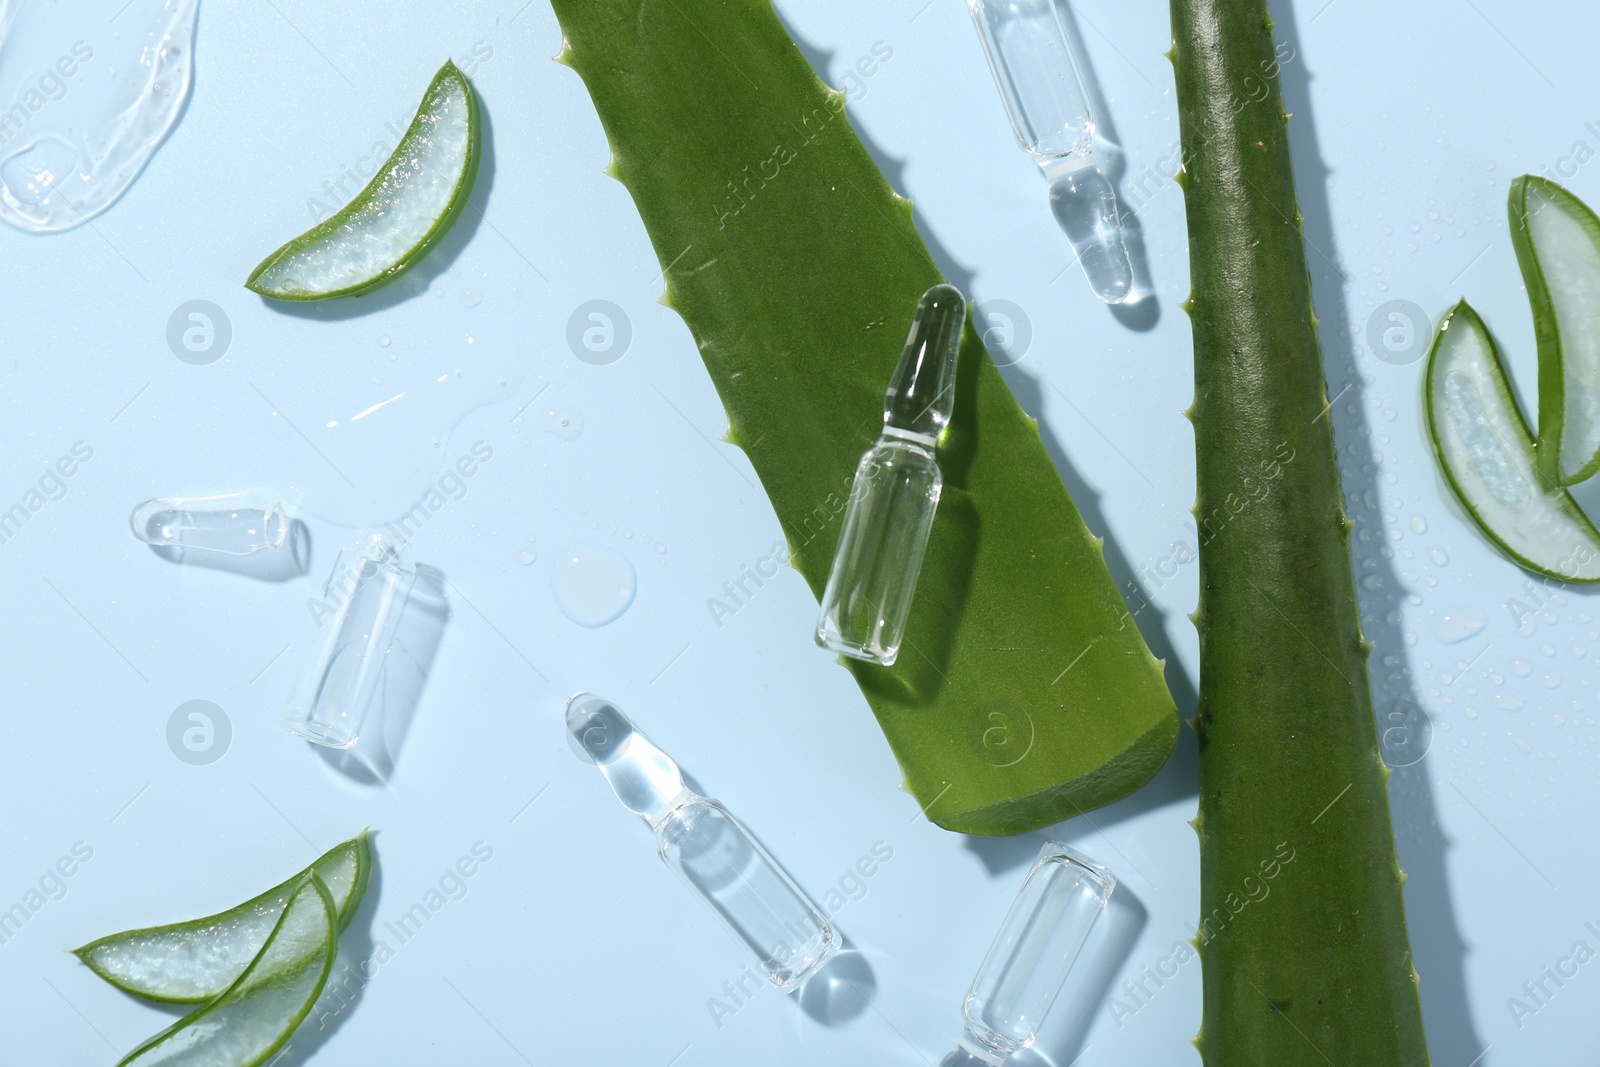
x: 593, y: 584
x: 88, y: 90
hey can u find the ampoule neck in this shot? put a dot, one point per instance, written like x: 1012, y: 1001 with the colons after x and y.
x: 645, y: 779
x: 1062, y: 166
x: 921, y: 395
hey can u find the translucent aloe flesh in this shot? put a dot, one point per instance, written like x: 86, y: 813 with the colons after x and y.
x: 193, y: 961
x: 1557, y: 239
x: 1321, y: 972
x: 1487, y: 454
x: 258, y: 1013
x: 797, y: 268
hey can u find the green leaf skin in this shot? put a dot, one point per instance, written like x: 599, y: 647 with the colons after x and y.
x: 1318, y: 970
x: 1564, y: 278
x: 259, y: 1012
x: 189, y: 962
x: 797, y: 269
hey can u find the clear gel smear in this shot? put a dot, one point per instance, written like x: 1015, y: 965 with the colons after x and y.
x: 88, y: 89
x: 757, y: 902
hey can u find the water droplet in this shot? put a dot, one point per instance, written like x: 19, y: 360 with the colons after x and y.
x: 1472, y: 713
x: 593, y: 584
x: 1520, y: 742
x: 1521, y: 668
x: 470, y: 299
x: 1552, y: 681
x: 1419, y: 524
x: 1458, y: 623
x: 1439, y: 557
x: 385, y: 341
x: 564, y: 424
x: 1548, y: 650
x: 1507, y: 701
x: 527, y: 556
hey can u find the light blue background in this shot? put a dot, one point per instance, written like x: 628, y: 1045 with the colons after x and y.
x: 573, y: 944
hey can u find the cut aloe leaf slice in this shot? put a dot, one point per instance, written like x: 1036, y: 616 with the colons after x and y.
x: 258, y: 1013
x: 1557, y: 239
x: 402, y: 212
x: 193, y: 961
x: 1487, y: 453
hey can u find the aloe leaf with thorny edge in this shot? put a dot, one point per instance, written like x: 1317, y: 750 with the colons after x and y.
x: 1319, y: 971
x: 1024, y: 694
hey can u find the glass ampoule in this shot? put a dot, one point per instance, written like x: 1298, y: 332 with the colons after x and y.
x: 756, y: 901
x: 896, y: 492
x: 1058, y: 904
x: 343, y: 676
x: 233, y: 524
x: 1035, y: 67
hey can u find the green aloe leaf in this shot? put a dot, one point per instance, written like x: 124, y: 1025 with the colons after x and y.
x: 259, y: 1012
x: 797, y: 268
x: 1557, y: 239
x: 192, y: 961
x: 1292, y: 793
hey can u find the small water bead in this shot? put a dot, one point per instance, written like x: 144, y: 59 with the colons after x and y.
x: 566, y: 425
x: 470, y: 299
x: 1521, y: 668
x: 1548, y: 650
x: 385, y: 340
x: 1552, y: 681
x: 1439, y: 557
x: 527, y: 556
x: 1507, y: 702
x: 1472, y: 713
x: 1459, y: 623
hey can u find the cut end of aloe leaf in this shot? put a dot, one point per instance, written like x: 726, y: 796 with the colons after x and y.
x: 403, y: 211
x: 1488, y: 456
x: 1557, y: 240
x: 193, y: 961
x: 258, y: 1013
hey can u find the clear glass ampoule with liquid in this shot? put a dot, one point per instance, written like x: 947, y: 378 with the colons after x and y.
x: 1059, y: 903
x: 232, y: 524
x: 896, y: 492
x: 758, y: 903
x: 1037, y: 73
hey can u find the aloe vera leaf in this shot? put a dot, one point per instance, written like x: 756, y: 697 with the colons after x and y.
x: 1557, y: 239
x: 259, y: 1012
x: 192, y: 961
x: 1487, y: 454
x: 401, y: 213
x: 1319, y: 971
x: 797, y: 269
